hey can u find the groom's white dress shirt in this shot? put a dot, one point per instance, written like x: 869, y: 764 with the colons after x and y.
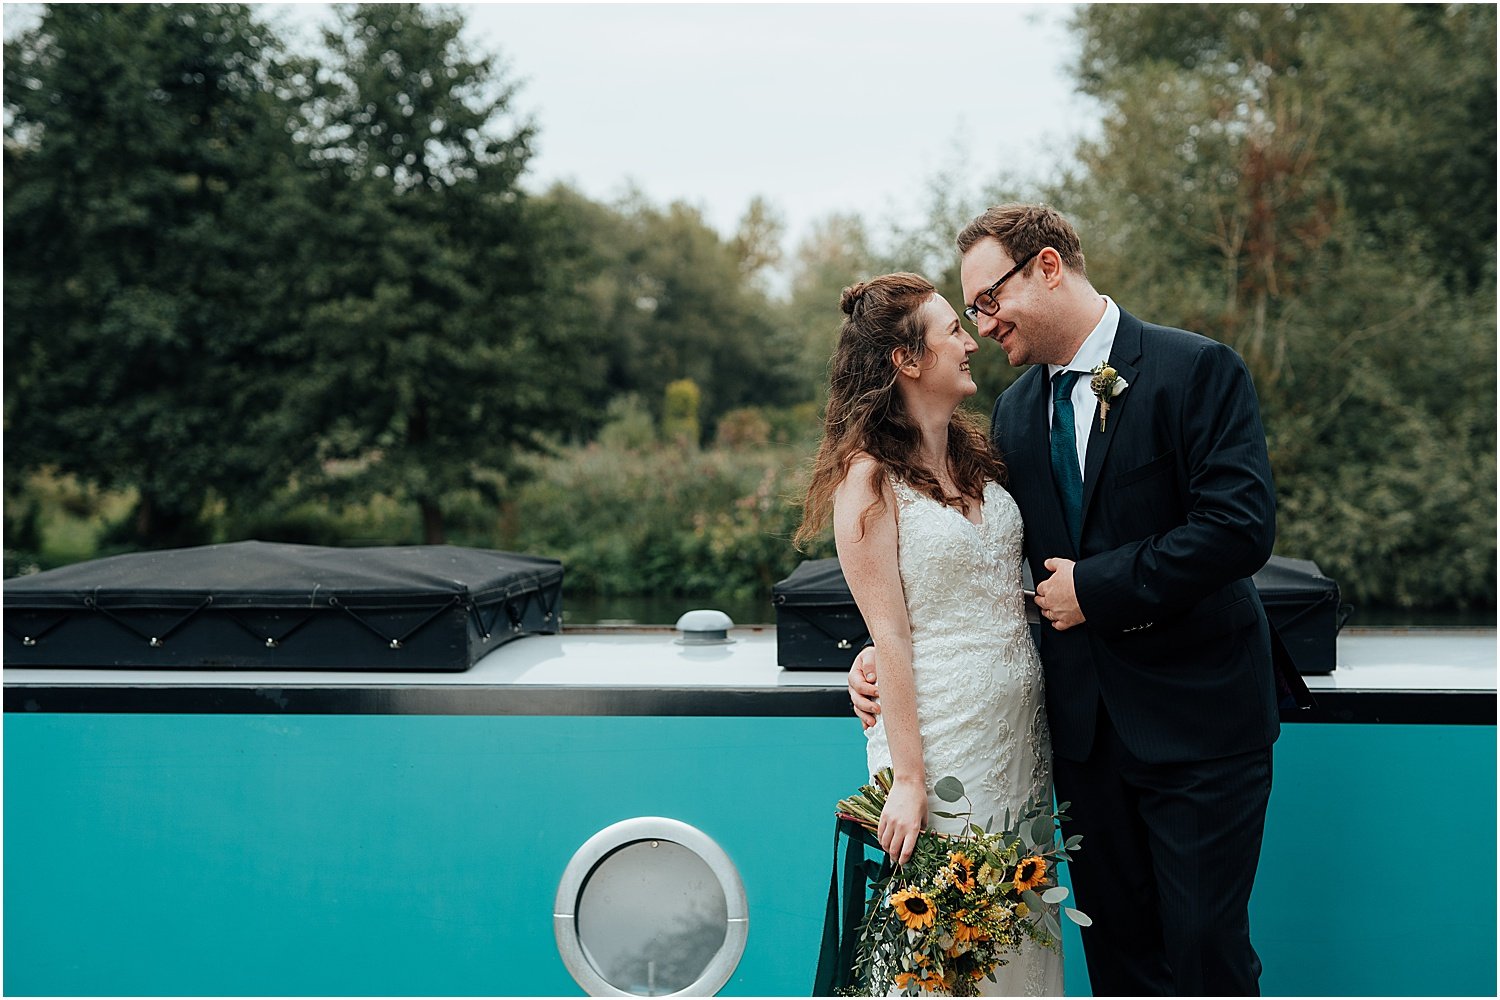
x: 1092, y: 352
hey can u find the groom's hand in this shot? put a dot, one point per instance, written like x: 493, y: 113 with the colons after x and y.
x: 863, y: 693
x: 1055, y: 597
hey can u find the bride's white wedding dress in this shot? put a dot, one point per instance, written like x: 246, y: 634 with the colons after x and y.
x: 980, y: 704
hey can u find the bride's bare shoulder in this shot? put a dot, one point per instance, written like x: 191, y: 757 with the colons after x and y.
x: 862, y: 480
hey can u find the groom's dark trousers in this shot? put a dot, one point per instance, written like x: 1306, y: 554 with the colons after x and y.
x: 1173, y: 889
x: 1162, y: 703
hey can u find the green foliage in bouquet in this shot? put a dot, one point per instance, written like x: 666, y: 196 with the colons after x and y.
x: 961, y: 906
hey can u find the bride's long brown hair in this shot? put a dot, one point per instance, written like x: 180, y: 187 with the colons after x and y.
x: 866, y: 413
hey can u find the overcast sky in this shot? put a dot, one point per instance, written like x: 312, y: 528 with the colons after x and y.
x: 818, y: 108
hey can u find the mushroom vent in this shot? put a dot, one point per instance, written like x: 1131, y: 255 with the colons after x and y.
x: 704, y: 627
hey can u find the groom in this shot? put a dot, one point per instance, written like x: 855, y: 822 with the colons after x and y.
x: 1144, y: 521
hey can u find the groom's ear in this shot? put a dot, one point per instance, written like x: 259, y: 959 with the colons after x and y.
x: 1049, y: 267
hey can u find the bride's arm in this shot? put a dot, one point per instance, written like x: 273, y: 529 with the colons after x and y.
x: 867, y: 554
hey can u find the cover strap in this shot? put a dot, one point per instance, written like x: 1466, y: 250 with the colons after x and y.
x: 29, y: 636
x: 92, y: 601
x: 854, y: 639
x: 394, y: 641
x: 1326, y: 597
x: 272, y: 641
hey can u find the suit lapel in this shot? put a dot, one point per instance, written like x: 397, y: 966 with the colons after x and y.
x: 1122, y: 357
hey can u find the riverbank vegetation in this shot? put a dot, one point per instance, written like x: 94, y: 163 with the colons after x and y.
x: 253, y: 294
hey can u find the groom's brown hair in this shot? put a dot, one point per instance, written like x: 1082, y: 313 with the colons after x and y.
x: 1023, y: 230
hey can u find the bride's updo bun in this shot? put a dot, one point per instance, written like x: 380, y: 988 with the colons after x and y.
x: 849, y: 297
x: 882, y: 313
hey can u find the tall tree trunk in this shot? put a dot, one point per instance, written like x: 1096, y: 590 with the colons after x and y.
x: 161, y: 526
x: 432, y: 522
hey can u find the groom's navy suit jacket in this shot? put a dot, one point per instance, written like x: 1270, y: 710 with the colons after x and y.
x: 1178, y: 511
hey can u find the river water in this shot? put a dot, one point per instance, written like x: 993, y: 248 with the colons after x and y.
x: 584, y: 609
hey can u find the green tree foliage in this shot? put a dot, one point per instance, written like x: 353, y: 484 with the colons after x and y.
x: 676, y: 300
x: 835, y: 253
x: 1255, y: 182
x: 150, y: 182
x: 430, y: 361
x: 1400, y: 100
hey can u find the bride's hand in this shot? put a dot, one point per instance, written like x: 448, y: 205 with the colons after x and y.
x: 902, y: 819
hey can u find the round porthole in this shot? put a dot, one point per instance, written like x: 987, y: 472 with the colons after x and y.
x: 651, y: 907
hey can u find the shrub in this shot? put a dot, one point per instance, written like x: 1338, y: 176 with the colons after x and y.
x: 663, y: 522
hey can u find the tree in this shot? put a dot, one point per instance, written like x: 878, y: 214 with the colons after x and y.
x: 678, y: 301
x: 1252, y: 182
x: 432, y: 362
x: 757, y: 242
x: 835, y: 253
x: 150, y: 182
x: 1413, y: 145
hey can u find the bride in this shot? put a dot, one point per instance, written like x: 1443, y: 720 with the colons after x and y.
x: 930, y: 544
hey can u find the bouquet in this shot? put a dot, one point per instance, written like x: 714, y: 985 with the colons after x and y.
x: 961, y: 905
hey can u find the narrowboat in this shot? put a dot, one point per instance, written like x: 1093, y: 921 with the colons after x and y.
x: 610, y: 810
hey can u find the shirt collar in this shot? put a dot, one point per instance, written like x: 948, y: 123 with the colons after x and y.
x: 1094, y: 350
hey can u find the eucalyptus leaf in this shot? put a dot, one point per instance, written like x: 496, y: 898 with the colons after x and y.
x: 1056, y: 894
x: 1078, y: 917
x: 949, y: 789
x: 1041, y: 830
x: 1033, y: 900
x: 947, y: 815
x: 1073, y: 841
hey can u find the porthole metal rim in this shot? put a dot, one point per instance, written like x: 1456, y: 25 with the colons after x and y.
x: 630, y: 831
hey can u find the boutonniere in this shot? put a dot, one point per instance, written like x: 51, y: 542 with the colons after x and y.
x: 1107, y: 384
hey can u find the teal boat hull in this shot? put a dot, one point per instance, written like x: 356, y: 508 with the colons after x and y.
x: 404, y: 854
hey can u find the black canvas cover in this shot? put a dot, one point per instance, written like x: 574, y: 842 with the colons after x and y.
x: 266, y: 605
x: 1304, y: 610
x: 818, y: 626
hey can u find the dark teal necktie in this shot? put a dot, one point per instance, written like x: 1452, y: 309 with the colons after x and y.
x: 1065, y: 453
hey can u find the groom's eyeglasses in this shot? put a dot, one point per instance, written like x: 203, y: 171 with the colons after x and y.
x: 985, y: 302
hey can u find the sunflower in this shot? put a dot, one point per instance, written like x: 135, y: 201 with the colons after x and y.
x: 965, y: 925
x: 1030, y: 873
x: 914, y: 908
x: 960, y: 871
